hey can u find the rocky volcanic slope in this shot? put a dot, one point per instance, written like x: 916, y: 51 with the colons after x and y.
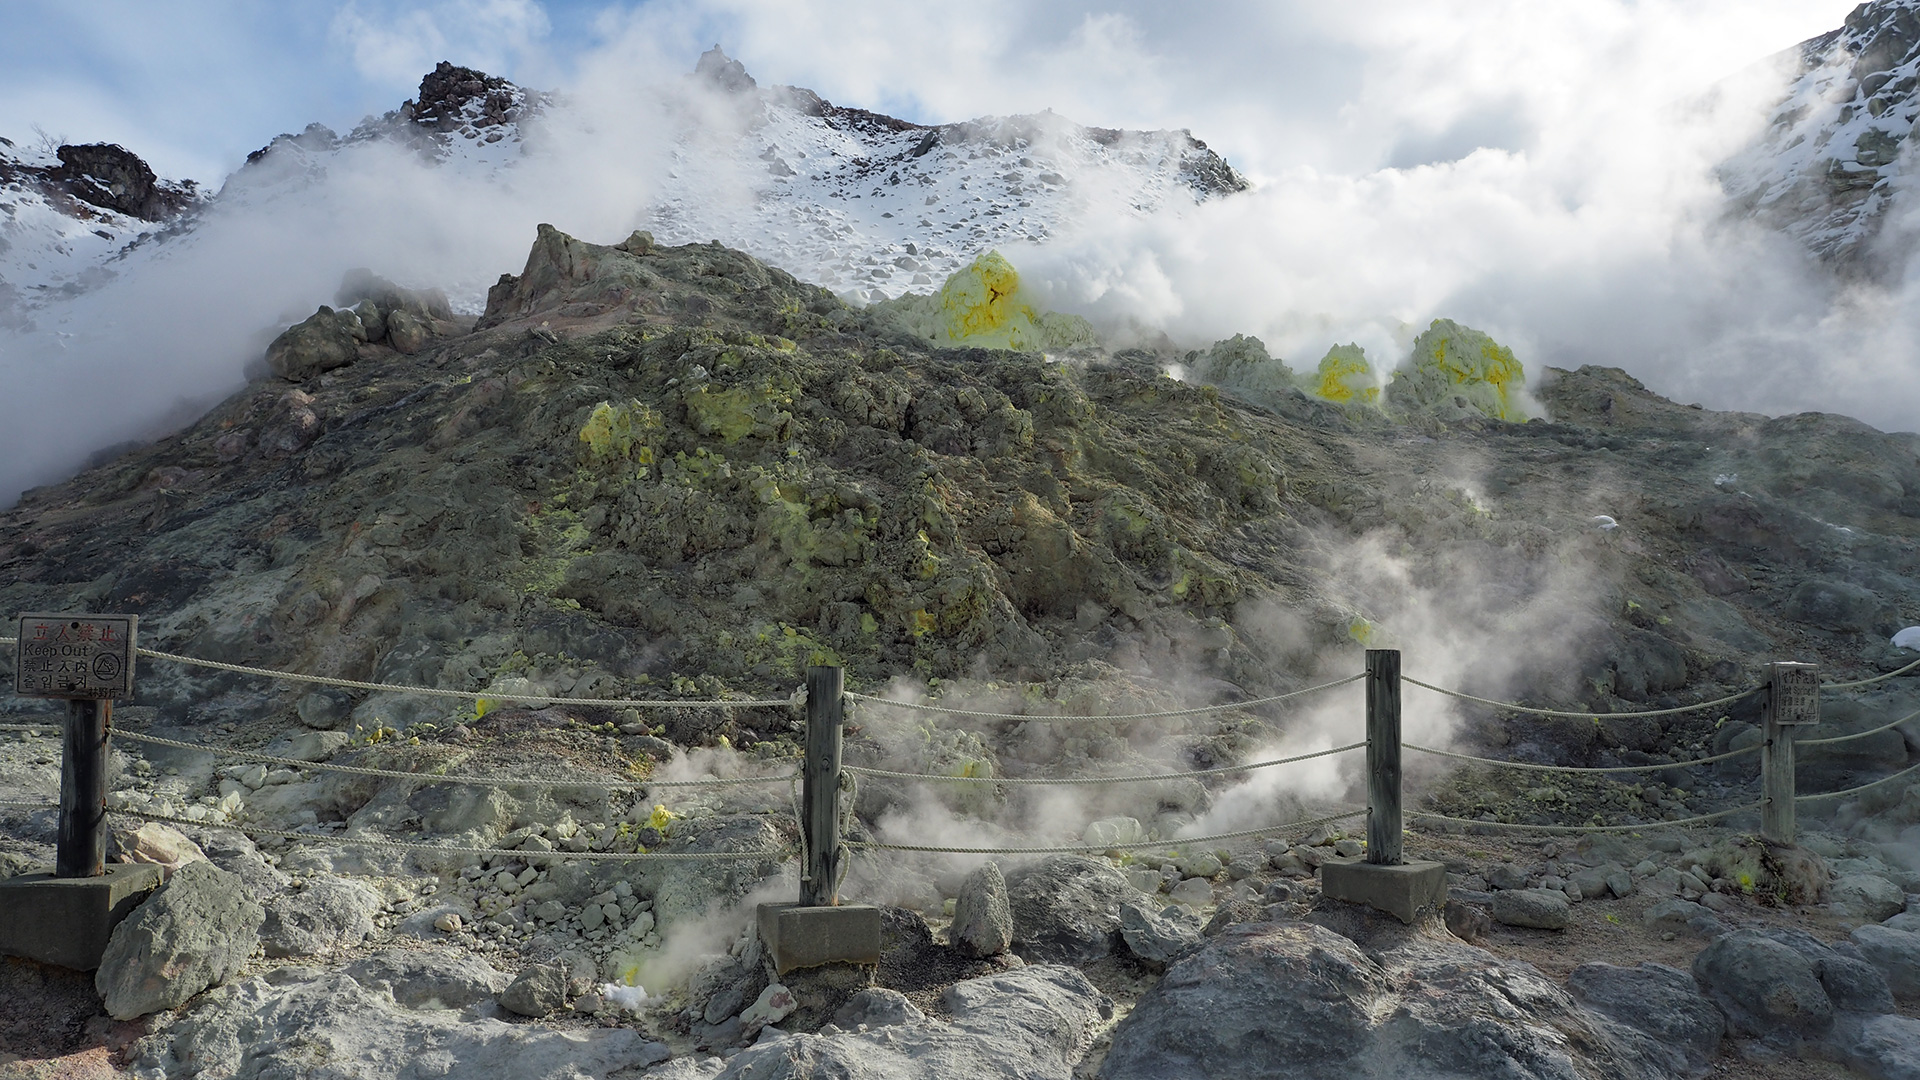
x: 677, y: 472
x: 1832, y: 169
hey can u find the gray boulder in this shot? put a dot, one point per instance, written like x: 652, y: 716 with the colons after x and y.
x: 330, y: 913
x: 234, y: 853
x: 1664, y: 1002
x: 877, y: 1006
x: 406, y: 333
x: 1767, y: 989
x: 1854, y: 985
x: 1159, y: 938
x: 1035, y: 1023
x: 1868, y: 896
x: 1301, y: 1002
x: 302, y: 1022
x: 982, y: 918
x: 1066, y: 909
x: 1676, y: 916
x: 428, y: 978
x: 326, y: 340
x: 540, y: 990
x: 1833, y: 605
x: 1896, y: 953
x: 193, y: 932
x: 1542, y: 909
x: 1885, y: 1047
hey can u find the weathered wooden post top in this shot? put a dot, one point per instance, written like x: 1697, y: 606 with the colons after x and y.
x: 820, y: 929
x: 1385, y: 881
x: 64, y: 916
x: 87, y: 659
x: 1793, y: 700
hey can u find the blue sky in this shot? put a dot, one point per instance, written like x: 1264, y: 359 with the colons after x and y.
x: 195, y: 85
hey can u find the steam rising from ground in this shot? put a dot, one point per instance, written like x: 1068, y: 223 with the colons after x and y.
x: 1490, y: 620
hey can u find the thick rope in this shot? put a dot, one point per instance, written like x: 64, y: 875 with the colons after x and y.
x: 1509, y: 706
x: 1101, y: 779
x: 1908, y: 771
x: 1582, y: 769
x: 1176, y: 842
x: 36, y: 729
x: 12, y: 804
x: 513, y: 853
x: 1869, y: 682
x: 1645, y: 827
x: 1161, y: 715
x: 1857, y: 734
x: 437, y: 778
x: 463, y: 695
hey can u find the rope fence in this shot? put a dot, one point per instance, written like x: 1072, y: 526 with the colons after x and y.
x: 466, y: 695
x: 1162, y: 714
x: 1579, y: 769
x: 824, y: 790
x: 1909, y: 771
x: 1858, y: 734
x: 1081, y: 849
x: 1856, y: 683
x: 444, y: 778
x: 1188, y: 775
x: 449, y: 849
x: 1700, y: 819
x: 1509, y: 706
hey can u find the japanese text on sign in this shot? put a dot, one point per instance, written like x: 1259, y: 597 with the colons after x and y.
x: 1796, y: 694
x: 75, y: 656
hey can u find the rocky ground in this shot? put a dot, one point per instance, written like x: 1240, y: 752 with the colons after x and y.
x: 677, y: 474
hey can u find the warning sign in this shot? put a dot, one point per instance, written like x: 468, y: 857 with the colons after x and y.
x: 75, y: 656
x: 1796, y: 693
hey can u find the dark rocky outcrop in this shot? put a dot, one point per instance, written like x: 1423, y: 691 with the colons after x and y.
x: 112, y: 177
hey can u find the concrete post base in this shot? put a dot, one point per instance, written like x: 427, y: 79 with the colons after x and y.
x: 1403, y: 891
x: 802, y: 937
x: 66, y: 921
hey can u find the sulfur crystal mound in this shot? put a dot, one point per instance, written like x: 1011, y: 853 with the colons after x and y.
x: 983, y: 305
x: 1458, y: 368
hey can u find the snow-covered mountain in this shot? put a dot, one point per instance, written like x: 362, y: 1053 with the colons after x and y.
x: 1834, y: 166
x: 867, y: 204
x: 69, y: 214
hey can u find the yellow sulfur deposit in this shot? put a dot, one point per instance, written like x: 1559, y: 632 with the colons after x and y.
x: 983, y: 305
x: 1346, y: 377
x: 619, y: 432
x: 1460, y: 367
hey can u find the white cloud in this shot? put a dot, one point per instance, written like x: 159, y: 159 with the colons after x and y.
x: 396, y: 43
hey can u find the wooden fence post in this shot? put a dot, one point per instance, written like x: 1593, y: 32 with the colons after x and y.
x: 1793, y: 698
x: 1384, y: 841
x: 81, y: 846
x: 820, y: 797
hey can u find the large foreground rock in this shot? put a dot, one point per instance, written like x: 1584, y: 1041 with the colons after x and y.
x: 193, y: 932
x: 1066, y: 909
x: 1767, y: 988
x: 982, y: 917
x: 1541, y: 909
x: 1296, y: 1001
x: 330, y: 913
x: 1662, y: 1001
x: 1032, y: 1024
x: 300, y: 1022
x: 327, y: 339
x: 1896, y: 953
